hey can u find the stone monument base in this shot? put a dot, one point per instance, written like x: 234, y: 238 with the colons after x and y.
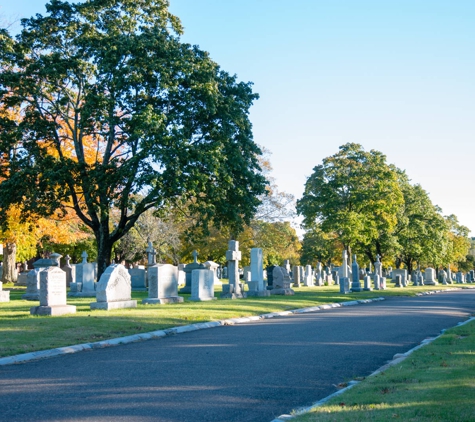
x: 120, y: 304
x: 356, y: 287
x: 284, y: 292
x: 4, y: 296
x: 229, y: 293
x: 53, y: 310
x: 31, y: 296
x: 203, y: 299
x: 162, y: 301
x: 255, y: 293
x: 82, y: 294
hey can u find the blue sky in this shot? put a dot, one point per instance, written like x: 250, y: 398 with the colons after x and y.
x: 392, y: 75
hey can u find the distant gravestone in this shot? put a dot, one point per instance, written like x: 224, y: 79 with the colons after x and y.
x: 85, y: 285
x: 355, y: 275
x: 296, y: 274
x: 202, y: 285
x: 114, y: 290
x: 344, y: 285
x: 343, y: 270
x: 256, y: 284
x: 398, y: 281
x: 69, y: 270
x: 377, y: 281
x: 233, y: 290
x: 367, y: 283
x: 163, y: 285
x: 442, y: 277
x: 308, y: 280
x: 270, y: 277
x: 33, y: 279
x: 403, y: 274
x: 52, y: 294
x: 281, y: 282
x: 318, y: 275
x: 429, y: 277
x: 138, y: 278
x: 4, y: 294
x: 195, y: 265
x: 460, y: 278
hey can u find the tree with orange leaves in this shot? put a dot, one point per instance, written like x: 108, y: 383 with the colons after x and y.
x: 167, y: 124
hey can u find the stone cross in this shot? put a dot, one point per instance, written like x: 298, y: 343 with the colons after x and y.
x: 233, y: 256
x: 150, y: 254
x: 84, y: 256
x: 195, y: 256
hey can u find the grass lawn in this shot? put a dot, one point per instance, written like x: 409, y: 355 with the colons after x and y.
x: 435, y: 383
x: 20, y: 332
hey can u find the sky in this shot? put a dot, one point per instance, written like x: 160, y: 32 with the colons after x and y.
x: 397, y: 76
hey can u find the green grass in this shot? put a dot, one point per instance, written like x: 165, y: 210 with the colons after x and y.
x: 20, y: 332
x: 435, y: 383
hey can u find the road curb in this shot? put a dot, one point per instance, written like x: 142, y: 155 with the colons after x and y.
x: 43, y: 354
x: 397, y: 358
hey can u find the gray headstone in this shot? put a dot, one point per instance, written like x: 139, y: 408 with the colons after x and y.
x: 202, y: 285
x: 114, y: 290
x: 163, y: 285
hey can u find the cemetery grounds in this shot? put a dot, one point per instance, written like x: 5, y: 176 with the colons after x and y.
x: 435, y: 383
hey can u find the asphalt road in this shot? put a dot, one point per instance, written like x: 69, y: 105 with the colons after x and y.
x: 246, y: 372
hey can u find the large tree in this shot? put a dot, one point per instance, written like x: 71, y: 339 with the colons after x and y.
x: 119, y: 116
x: 354, y: 194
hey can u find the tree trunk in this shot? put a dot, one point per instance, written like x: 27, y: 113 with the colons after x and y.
x: 9, y: 263
x: 104, y: 250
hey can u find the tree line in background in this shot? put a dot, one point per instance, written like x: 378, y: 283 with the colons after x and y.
x: 356, y: 201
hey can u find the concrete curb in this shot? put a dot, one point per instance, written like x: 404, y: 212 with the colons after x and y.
x: 397, y: 358
x: 43, y: 354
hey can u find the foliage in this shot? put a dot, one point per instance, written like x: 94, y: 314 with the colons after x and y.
x: 113, y: 106
x: 356, y: 195
x: 318, y: 246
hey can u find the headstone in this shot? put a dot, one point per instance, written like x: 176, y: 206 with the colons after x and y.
x: 442, y: 277
x: 181, y: 274
x: 195, y: 265
x: 308, y: 279
x: 270, y: 279
x: 355, y: 274
x: 296, y: 276
x: 287, y: 265
x: 472, y: 275
x: 318, y: 274
x: 256, y: 284
x: 151, y: 254
x: 367, y: 283
x: 202, y: 285
x: 4, y: 294
x: 378, y: 269
x: 398, y: 280
x: 33, y: 279
x: 281, y: 282
x: 163, y: 285
x: 429, y: 277
x: 377, y: 281
x: 467, y: 278
x: 52, y: 294
x: 69, y: 270
x: 460, y: 278
x: 114, y: 290
x: 138, y: 278
x: 85, y: 279
x: 344, y: 285
x: 403, y: 274
x: 233, y: 290
x: 337, y: 280
x: 213, y: 266
x: 343, y: 270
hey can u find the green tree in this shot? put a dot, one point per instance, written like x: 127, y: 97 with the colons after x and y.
x: 356, y: 195
x: 318, y: 246
x: 119, y: 117
x: 421, y: 230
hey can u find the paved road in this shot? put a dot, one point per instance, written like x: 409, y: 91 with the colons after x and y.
x: 248, y: 372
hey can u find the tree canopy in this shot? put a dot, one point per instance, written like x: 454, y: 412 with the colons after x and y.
x: 118, y: 115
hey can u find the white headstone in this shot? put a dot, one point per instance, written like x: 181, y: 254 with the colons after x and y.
x: 114, y: 289
x: 52, y: 293
x: 202, y: 285
x: 163, y: 285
